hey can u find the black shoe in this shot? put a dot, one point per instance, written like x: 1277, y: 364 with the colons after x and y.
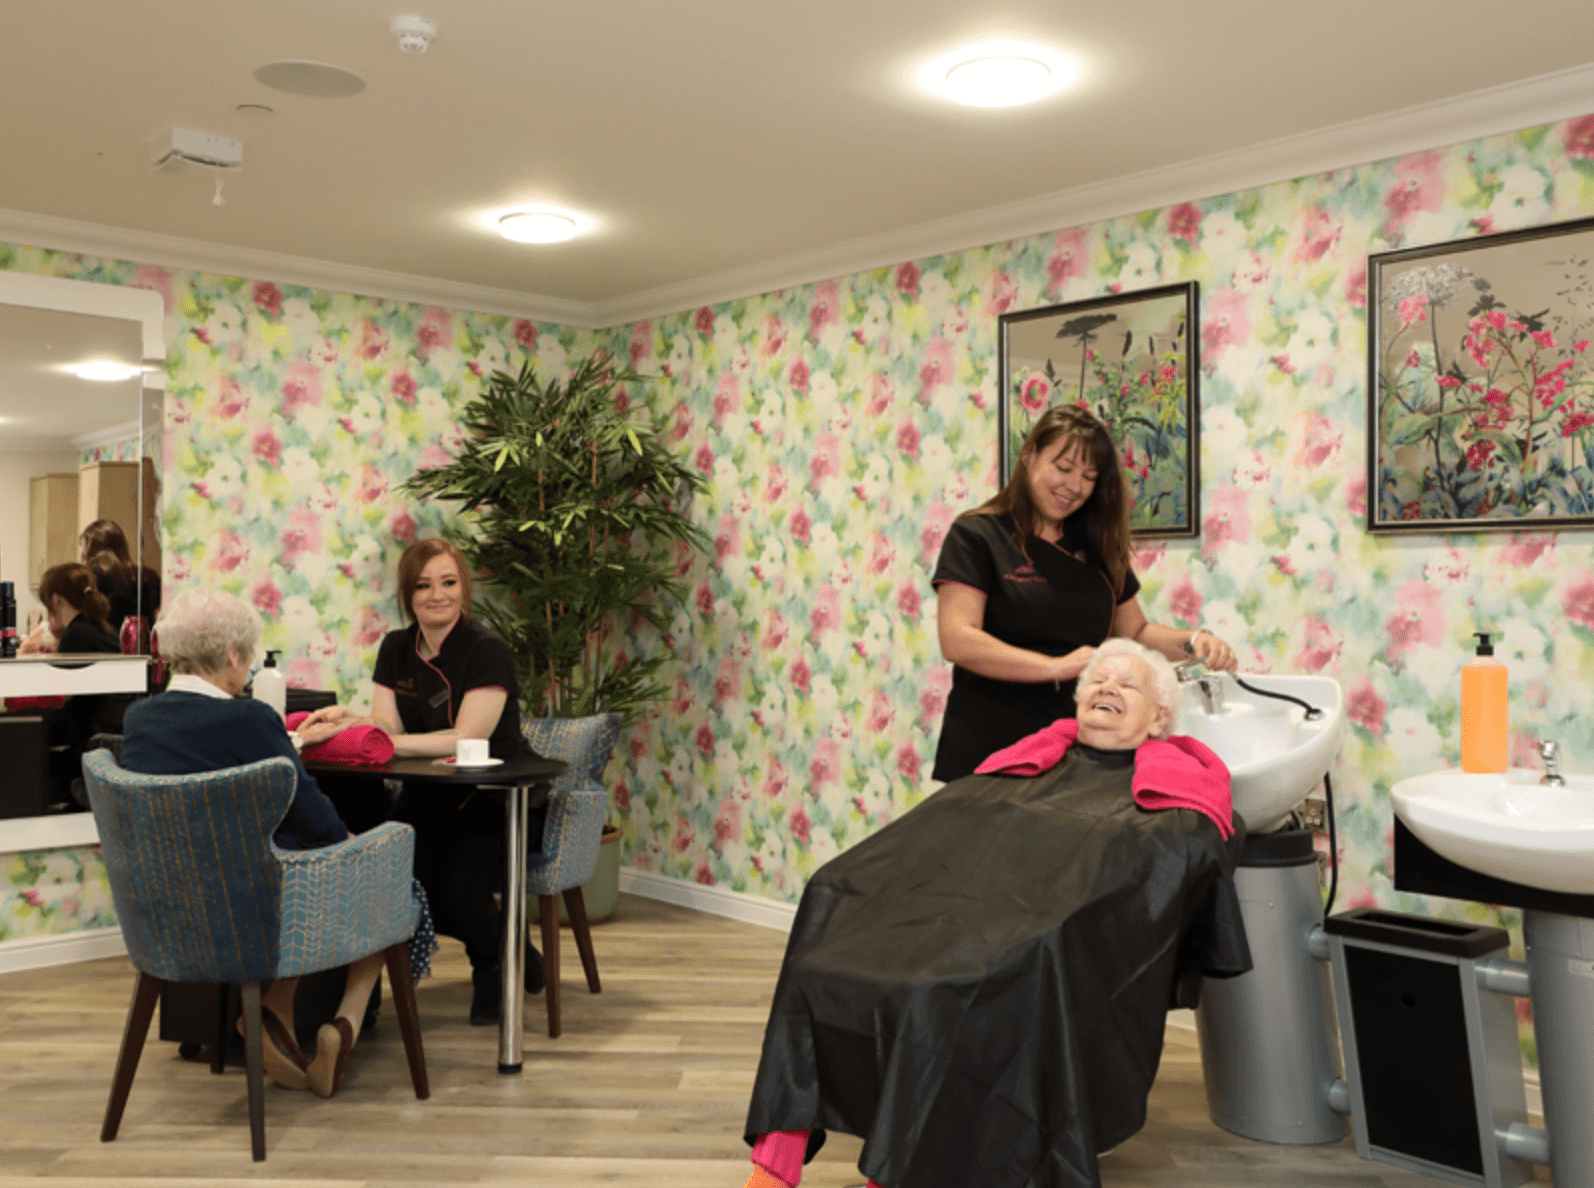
x: 535, y: 979
x: 487, y: 995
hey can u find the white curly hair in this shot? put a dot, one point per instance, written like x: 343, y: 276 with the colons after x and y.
x: 201, y: 630
x: 1164, y: 682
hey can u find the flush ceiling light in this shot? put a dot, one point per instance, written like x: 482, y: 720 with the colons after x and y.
x: 998, y: 72
x: 536, y: 223
x: 104, y: 371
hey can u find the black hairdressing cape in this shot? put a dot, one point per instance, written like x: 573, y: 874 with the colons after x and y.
x: 979, y: 990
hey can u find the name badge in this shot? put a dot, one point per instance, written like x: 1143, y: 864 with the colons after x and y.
x: 439, y: 699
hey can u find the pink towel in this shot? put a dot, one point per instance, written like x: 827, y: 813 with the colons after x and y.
x: 1175, y: 772
x: 780, y: 1153
x: 358, y: 746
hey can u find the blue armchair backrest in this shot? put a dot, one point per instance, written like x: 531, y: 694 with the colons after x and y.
x: 584, y: 743
x: 196, y: 883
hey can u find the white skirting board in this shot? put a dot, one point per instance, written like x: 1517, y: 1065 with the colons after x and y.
x: 716, y: 901
x: 770, y: 913
x: 36, y: 952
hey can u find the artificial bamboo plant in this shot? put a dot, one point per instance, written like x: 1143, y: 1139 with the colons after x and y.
x: 576, y: 519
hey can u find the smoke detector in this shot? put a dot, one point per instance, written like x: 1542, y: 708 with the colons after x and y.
x: 414, y: 33
x: 197, y: 148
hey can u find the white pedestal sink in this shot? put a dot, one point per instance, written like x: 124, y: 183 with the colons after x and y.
x: 1506, y: 824
x: 1274, y: 755
x: 1509, y: 826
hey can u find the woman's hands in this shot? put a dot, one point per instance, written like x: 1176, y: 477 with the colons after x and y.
x: 323, y: 723
x: 1212, y: 651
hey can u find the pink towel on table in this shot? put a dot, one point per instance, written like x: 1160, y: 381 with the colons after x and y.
x: 358, y: 746
x: 1176, y: 772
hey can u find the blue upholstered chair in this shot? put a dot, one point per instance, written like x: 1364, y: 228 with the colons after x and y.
x: 577, y: 806
x: 203, y: 894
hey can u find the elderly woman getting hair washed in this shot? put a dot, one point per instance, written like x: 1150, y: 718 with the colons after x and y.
x: 201, y: 724
x: 979, y: 989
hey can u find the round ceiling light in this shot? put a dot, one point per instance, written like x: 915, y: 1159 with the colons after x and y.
x: 316, y: 79
x: 537, y: 226
x: 104, y: 371
x: 536, y: 222
x: 998, y: 72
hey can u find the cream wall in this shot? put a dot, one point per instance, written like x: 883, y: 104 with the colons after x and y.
x: 16, y: 470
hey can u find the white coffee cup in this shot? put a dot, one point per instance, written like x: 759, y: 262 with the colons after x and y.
x: 471, y: 752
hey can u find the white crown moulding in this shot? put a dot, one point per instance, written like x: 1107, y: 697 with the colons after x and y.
x: 1491, y: 112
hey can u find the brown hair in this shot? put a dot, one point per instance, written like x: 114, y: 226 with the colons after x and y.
x: 415, y: 559
x: 74, y: 584
x: 1104, y: 517
x: 105, y: 550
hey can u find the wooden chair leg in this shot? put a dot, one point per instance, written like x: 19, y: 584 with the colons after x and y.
x: 576, y: 906
x: 146, y: 993
x: 224, y: 1001
x: 548, y: 913
x: 397, y: 959
x: 256, y: 1071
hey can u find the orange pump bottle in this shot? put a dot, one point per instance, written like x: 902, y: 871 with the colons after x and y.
x: 1483, y: 710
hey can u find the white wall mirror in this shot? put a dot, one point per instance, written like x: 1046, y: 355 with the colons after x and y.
x: 52, y: 421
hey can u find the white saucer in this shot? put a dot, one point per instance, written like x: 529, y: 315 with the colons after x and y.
x: 470, y: 766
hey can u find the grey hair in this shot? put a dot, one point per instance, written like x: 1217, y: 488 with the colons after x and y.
x: 1164, y: 682
x: 201, y: 630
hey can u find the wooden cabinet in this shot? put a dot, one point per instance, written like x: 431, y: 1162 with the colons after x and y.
x: 52, y: 523
x: 62, y: 505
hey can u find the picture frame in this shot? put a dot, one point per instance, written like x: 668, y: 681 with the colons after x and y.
x: 1480, y: 383
x: 1134, y: 360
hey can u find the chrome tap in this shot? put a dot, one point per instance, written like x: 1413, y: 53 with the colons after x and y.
x: 1550, y: 752
x: 1211, y: 686
x: 1188, y: 670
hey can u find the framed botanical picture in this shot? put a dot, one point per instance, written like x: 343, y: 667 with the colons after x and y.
x: 1132, y: 360
x: 1480, y: 383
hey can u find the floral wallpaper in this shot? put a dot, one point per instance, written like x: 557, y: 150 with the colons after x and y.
x: 49, y: 892
x: 291, y: 414
x: 842, y: 425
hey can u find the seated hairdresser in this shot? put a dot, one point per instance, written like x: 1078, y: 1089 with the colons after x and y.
x: 201, y: 724
x: 445, y: 677
x: 77, y: 624
x: 979, y: 990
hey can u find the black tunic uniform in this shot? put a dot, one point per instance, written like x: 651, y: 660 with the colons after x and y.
x: 1027, y: 610
x: 459, y: 832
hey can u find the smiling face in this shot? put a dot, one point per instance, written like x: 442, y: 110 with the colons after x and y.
x: 438, y: 594
x: 1118, y: 709
x: 1061, y: 478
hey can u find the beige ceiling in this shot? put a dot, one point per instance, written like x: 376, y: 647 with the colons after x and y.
x: 709, y: 137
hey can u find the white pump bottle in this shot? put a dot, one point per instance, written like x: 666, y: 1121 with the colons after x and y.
x: 271, y: 686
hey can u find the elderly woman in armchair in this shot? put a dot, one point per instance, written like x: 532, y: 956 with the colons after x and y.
x: 200, y: 724
x: 979, y: 990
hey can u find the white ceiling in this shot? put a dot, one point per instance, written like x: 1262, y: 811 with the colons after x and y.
x: 724, y: 145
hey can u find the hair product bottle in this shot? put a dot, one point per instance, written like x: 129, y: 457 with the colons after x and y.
x: 271, y: 686
x: 8, y: 620
x: 1483, y: 710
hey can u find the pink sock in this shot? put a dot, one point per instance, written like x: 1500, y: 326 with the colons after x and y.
x: 780, y: 1152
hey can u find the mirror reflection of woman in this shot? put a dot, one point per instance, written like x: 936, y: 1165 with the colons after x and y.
x: 443, y: 678
x: 131, y: 589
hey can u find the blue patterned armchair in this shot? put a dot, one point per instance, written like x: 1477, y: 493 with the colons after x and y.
x: 203, y: 894
x: 577, y: 806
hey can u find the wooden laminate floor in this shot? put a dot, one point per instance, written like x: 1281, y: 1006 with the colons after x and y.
x: 647, y: 1086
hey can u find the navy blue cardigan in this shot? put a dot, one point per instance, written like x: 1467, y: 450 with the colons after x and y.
x: 185, y: 733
